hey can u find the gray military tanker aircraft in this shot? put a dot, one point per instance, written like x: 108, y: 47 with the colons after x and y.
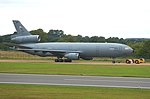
x: 65, y: 52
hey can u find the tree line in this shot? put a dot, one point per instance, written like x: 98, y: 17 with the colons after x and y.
x: 141, y: 47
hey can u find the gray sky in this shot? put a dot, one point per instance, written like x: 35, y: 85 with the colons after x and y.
x: 108, y: 18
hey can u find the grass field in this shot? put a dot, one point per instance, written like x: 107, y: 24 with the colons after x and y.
x: 76, y: 69
x: 10, y: 91
x: 19, y: 55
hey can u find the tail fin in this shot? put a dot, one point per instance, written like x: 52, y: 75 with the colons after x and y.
x: 21, y: 30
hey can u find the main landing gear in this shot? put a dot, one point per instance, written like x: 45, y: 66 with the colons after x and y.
x: 63, y: 60
x: 113, y: 60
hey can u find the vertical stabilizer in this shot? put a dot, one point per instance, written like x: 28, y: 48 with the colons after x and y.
x: 23, y: 36
x: 21, y: 30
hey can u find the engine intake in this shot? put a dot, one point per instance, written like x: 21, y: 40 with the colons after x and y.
x: 72, y: 56
x: 26, y: 39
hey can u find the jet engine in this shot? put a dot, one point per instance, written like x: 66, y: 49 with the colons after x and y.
x: 26, y: 39
x: 72, y: 56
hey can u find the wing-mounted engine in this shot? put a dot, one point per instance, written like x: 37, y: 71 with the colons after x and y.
x: 72, y: 56
x: 26, y: 39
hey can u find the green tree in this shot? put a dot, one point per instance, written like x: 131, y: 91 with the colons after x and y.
x: 67, y: 38
x: 94, y: 39
x: 4, y: 38
x: 145, y: 50
x: 54, y: 35
x: 113, y: 40
x: 86, y: 39
x: 137, y: 47
x: 79, y: 38
x: 4, y: 47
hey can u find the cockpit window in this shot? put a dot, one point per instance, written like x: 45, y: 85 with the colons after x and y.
x: 127, y: 48
x: 111, y: 48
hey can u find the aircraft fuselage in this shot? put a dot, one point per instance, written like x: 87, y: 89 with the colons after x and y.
x: 84, y: 49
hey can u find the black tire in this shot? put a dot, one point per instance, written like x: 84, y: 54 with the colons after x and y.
x: 67, y: 60
x: 61, y: 60
x: 127, y: 61
x: 56, y: 60
x: 113, y: 62
x: 137, y: 62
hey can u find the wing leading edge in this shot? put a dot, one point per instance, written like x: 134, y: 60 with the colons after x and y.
x: 51, y: 51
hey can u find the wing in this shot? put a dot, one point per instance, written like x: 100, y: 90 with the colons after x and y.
x: 52, y: 51
x: 16, y: 45
x: 49, y: 50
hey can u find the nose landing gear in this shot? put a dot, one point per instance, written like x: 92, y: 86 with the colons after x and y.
x: 113, y: 60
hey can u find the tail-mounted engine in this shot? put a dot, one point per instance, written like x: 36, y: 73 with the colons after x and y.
x: 26, y: 39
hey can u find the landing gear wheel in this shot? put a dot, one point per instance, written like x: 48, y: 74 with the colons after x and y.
x: 67, y: 60
x: 61, y: 60
x: 137, y: 62
x: 58, y: 60
x: 127, y: 61
x: 113, y: 60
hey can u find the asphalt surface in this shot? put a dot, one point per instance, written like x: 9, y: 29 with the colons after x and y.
x: 70, y: 80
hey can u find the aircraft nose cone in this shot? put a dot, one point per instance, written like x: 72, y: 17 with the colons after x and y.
x: 131, y: 50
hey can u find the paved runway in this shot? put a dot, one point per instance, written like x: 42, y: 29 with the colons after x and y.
x: 68, y: 80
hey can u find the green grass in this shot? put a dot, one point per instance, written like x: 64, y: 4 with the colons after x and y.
x: 10, y: 91
x: 21, y: 55
x: 77, y: 69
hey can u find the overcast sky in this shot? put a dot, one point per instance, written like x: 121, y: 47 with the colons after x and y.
x: 107, y: 18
